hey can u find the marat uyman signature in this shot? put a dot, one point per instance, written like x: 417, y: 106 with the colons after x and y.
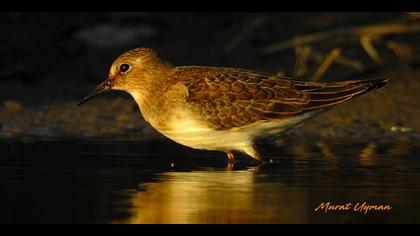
x: 363, y: 207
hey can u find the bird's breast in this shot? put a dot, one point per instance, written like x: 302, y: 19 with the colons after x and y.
x: 189, y: 130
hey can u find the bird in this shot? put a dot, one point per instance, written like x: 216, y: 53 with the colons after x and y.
x: 221, y: 108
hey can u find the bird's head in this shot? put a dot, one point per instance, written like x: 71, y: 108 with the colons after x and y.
x: 134, y: 71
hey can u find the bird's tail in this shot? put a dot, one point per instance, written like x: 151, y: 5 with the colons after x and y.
x: 327, y: 95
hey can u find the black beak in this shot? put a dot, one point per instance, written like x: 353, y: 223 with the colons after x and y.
x: 103, y: 87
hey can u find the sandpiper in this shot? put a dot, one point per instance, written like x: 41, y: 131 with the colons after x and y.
x: 224, y: 109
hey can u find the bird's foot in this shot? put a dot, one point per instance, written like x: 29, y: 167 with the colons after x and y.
x: 231, y: 157
x: 230, y: 161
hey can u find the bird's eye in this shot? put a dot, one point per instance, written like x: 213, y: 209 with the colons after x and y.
x: 124, y: 68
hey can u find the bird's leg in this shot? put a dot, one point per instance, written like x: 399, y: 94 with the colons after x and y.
x: 230, y: 156
x: 231, y: 161
x: 251, y: 150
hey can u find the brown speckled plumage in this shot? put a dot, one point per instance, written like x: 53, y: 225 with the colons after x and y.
x: 217, y: 108
x: 229, y: 98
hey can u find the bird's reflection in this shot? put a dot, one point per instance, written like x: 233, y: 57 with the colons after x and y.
x: 214, y: 196
x: 273, y: 192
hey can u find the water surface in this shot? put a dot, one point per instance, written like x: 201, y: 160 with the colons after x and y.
x: 56, y: 181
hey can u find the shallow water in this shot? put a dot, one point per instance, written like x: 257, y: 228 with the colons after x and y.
x: 53, y: 181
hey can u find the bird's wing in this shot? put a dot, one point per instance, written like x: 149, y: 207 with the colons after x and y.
x: 228, y: 98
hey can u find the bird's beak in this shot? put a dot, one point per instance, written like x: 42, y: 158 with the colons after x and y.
x: 103, y: 87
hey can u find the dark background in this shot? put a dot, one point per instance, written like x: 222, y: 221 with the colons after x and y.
x: 81, y: 46
x: 49, y: 61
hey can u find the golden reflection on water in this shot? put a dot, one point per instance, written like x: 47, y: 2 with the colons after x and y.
x: 235, y: 196
x: 367, y: 154
x: 326, y: 151
x: 215, y: 197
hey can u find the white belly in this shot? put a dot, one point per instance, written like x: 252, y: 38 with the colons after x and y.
x: 193, y: 134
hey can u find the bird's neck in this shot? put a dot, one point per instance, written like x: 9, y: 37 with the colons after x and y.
x: 146, y: 90
x: 149, y: 101
x: 150, y: 96
x: 144, y: 100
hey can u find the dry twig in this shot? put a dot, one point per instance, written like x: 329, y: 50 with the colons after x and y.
x: 302, y: 55
x: 401, y: 50
x: 341, y: 59
x: 358, y: 31
x: 329, y: 59
x: 367, y: 45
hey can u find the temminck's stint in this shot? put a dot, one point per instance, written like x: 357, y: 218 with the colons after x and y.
x: 224, y: 109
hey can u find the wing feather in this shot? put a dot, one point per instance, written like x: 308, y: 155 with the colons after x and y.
x: 228, y: 98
